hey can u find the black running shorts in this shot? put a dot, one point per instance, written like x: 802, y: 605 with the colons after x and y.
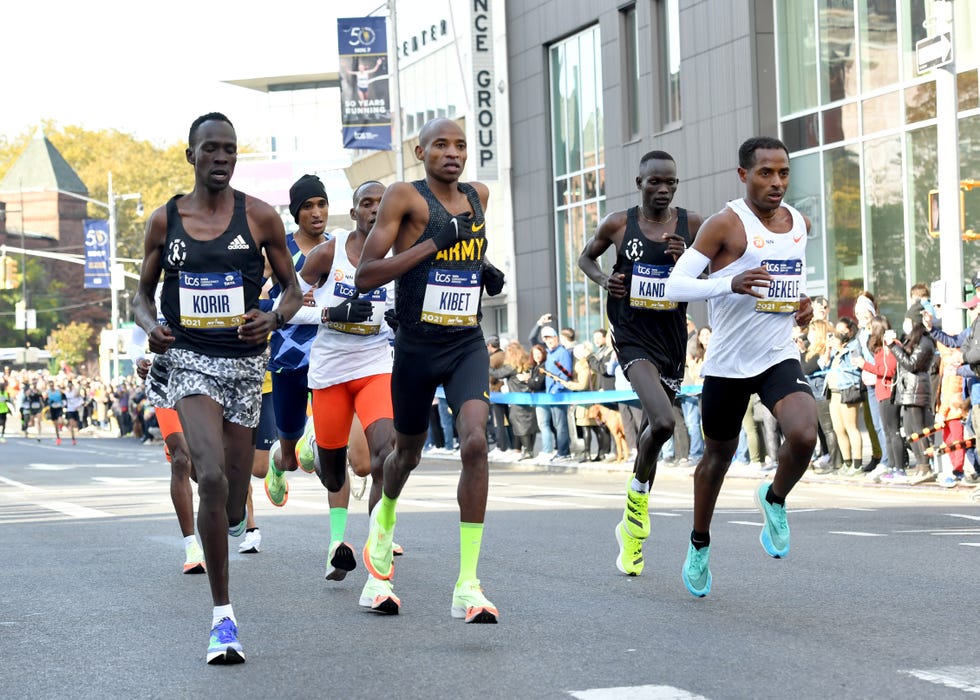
x: 724, y: 400
x: 460, y: 364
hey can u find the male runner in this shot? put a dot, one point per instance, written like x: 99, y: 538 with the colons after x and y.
x: 755, y: 251
x: 435, y: 228
x: 350, y: 371
x: 210, y: 244
x: 289, y: 347
x: 649, y: 330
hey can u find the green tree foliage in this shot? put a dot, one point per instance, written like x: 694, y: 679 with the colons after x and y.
x: 71, y: 344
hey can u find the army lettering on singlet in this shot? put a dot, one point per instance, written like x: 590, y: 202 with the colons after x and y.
x: 377, y: 297
x: 212, y: 299
x: 648, y: 287
x: 783, y: 294
x: 452, y: 297
x: 471, y: 249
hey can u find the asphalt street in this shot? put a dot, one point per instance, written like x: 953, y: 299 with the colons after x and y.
x: 876, y: 599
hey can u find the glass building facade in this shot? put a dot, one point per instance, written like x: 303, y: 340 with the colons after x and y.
x: 861, y: 126
x: 578, y: 168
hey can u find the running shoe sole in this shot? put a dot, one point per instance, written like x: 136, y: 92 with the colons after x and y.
x: 341, y: 563
x: 477, y: 616
x: 226, y: 657
x: 196, y: 567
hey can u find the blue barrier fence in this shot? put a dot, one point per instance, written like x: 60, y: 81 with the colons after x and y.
x: 568, y: 398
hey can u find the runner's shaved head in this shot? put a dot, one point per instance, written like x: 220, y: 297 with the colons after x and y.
x: 435, y: 126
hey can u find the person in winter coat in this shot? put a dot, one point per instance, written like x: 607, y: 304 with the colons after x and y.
x: 516, y: 371
x: 884, y: 367
x: 914, y: 356
x: 844, y: 383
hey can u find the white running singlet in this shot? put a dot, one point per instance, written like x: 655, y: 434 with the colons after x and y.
x: 342, y: 352
x: 750, y: 335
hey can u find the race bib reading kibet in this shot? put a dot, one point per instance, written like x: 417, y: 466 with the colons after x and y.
x: 648, y: 287
x: 211, y: 300
x: 783, y: 294
x: 452, y: 297
x: 377, y: 297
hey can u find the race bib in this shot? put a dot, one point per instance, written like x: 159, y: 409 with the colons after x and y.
x: 647, y: 290
x: 212, y: 300
x: 452, y: 298
x: 377, y: 297
x: 783, y: 294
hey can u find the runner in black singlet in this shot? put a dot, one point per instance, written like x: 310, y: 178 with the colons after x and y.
x: 436, y: 230
x: 649, y: 331
x: 209, y: 244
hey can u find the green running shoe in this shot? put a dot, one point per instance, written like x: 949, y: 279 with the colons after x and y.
x: 696, y: 574
x: 470, y: 605
x: 377, y: 552
x: 775, y: 530
x: 636, y: 517
x: 630, y: 559
x: 306, y: 449
x: 276, y: 486
x: 379, y: 596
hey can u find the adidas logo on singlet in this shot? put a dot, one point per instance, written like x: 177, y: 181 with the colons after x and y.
x: 238, y: 244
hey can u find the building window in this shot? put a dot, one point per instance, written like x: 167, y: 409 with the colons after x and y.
x: 670, y: 62
x: 578, y: 171
x: 631, y: 71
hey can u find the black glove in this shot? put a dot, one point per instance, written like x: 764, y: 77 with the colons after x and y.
x: 493, y: 279
x: 391, y: 319
x: 459, y: 228
x: 351, y: 311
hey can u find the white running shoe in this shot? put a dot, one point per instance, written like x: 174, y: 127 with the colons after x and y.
x: 250, y: 545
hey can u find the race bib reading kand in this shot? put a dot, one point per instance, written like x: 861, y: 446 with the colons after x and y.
x: 212, y: 300
x: 648, y: 287
x: 783, y: 294
x: 452, y: 297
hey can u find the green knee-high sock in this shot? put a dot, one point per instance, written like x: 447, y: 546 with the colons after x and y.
x: 386, y: 512
x: 470, y: 538
x: 338, y: 524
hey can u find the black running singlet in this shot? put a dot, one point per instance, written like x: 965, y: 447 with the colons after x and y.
x: 442, y: 294
x: 645, y: 318
x: 209, y: 285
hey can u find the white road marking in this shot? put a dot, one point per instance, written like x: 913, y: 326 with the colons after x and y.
x: 73, y: 510
x: 857, y: 534
x: 961, y: 515
x: 535, y: 502
x: 745, y: 522
x: 19, y: 484
x: 970, y: 544
x: 960, y: 677
x: 636, y: 692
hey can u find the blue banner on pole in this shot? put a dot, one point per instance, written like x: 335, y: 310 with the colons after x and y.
x: 97, y: 273
x: 365, y: 110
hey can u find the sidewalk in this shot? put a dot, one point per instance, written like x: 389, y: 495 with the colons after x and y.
x: 737, y: 471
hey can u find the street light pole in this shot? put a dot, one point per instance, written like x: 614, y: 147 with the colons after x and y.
x: 114, y: 296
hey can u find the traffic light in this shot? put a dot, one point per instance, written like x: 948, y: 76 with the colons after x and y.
x: 9, y: 273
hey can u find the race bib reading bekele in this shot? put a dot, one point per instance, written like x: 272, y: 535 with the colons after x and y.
x: 783, y: 294
x: 211, y: 300
x: 452, y: 298
x: 648, y: 287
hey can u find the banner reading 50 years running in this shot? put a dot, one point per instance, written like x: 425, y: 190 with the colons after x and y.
x: 364, y: 108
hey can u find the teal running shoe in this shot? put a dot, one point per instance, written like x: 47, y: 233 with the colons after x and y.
x: 224, y: 647
x: 775, y: 529
x: 696, y: 574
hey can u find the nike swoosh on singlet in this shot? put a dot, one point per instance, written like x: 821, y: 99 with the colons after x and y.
x: 804, y: 383
x: 477, y: 229
x: 797, y: 239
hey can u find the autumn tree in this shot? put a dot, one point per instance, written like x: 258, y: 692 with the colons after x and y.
x: 71, y: 344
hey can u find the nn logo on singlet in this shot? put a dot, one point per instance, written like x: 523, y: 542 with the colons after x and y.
x: 238, y: 244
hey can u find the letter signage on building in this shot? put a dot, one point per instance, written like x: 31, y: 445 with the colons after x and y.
x: 484, y: 92
x: 365, y: 111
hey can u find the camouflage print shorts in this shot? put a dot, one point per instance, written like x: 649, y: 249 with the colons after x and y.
x: 233, y: 382
x: 156, y: 381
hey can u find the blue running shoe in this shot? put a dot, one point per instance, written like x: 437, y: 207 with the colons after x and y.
x: 696, y: 574
x: 224, y: 647
x: 775, y: 529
